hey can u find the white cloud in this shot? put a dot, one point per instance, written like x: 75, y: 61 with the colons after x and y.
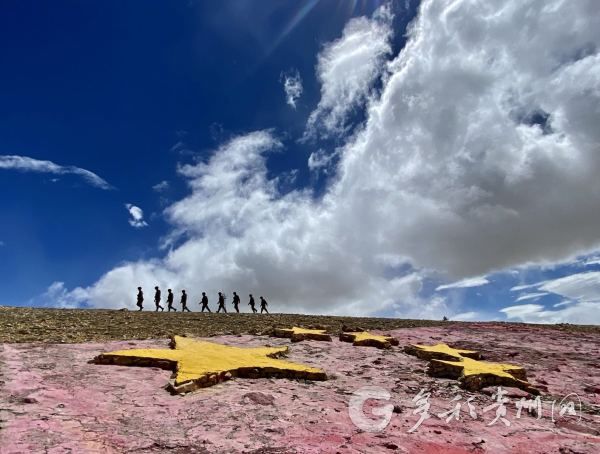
x: 136, y: 216
x: 581, y: 313
x: 530, y: 296
x: 518, y: 288
x: 1, y: 243
x: 465, y: 283
x: 178, y: 146
x: 292, y: 86
x: 467, y: 316
x: 582, y: 291
x: 26, y: 164
x: 348, y: 69
x: 523, y: 311
x: 320, y: 161
x: 581, y: 286
x: 161, y: 187
x: 448, y: 173
x: 467, y: 186
x: 57, y: 295
x: 242, y: 235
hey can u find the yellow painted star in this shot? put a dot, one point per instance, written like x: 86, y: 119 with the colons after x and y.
x: 439, y: 351
x: 364, y: 338
x: 474, y: 374
x: 198, y: 364
x: 465, y: 366
x: 298, y: 334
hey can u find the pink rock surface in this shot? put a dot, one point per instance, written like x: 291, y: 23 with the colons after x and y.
x: 52, y: 400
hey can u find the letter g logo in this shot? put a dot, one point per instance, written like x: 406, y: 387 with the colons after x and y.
x: 357, y: 402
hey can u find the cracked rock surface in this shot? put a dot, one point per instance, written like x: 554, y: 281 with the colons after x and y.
x: 52, y: 400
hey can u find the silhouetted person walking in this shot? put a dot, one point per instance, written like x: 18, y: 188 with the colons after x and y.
x: 204, y: 302
x: 252, y: 304
x: 184, y: 302
x: 236, y: 302
x: 140, y: 298
x: 263, y: 305
x: 170, y: 301
x: 157, y: 299
x: 221, y: 303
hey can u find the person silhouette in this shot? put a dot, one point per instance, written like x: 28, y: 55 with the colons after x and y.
x: 236, y: 302
x: 221, y: 303
x: 157, y: 299
x: 140, y: 298
x: 204, y: 302
x: 263, y: 305
x: 184, y: 302
x: 170, y: 301
x: 252, y: 304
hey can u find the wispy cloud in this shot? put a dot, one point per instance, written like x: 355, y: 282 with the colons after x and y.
x: 582, y: 304
x: 292, y: 85
x: 27, y: 164
x: 586, y: 313
x: 161, y: 187
x: 530, y: 296
x: 137, y: 216
x: 518, y: 288
x: 465, y: 283
x: 348, y: 69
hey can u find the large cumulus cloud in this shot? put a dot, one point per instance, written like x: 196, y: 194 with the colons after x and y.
x: 480, y: 153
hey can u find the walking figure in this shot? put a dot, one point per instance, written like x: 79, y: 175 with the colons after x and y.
x: 170, y: 301
x: 184, y: 302
x: 140, y: 298
x: 157, y: 299
x: 236, y: 302
x: 263, y: 305
x: 204, y: 302
x: 252, y: 304
x: 221, y: 303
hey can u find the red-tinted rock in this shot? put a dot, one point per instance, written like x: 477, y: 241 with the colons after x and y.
x: 86, y: 408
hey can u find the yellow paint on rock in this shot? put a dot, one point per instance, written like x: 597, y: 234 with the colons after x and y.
x: 364, y: 338
x: 440, y: 351
x: 465, y: 366
x: 200, y: 363
x: 474, y: 367
x: 474, y: 374
x: 298, y: 330
x: 298, y: 334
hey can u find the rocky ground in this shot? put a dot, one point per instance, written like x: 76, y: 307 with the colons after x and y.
x: 22, y: 324
x: 53, y: 400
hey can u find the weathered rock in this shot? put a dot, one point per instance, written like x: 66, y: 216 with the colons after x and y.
x: 439, y: 351
x: 198, y: 364
x: 259, y: 398
x: 112, y: 409
x: 297, y: 334
x: 366, y: 339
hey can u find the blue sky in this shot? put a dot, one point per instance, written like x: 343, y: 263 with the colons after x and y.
x: 373, y: 182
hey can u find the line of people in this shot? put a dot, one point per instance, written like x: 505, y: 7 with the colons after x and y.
x: 204, y: 301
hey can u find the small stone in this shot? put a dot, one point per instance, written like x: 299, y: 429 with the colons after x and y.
x: 513, y: 393
x: 259, y: 398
